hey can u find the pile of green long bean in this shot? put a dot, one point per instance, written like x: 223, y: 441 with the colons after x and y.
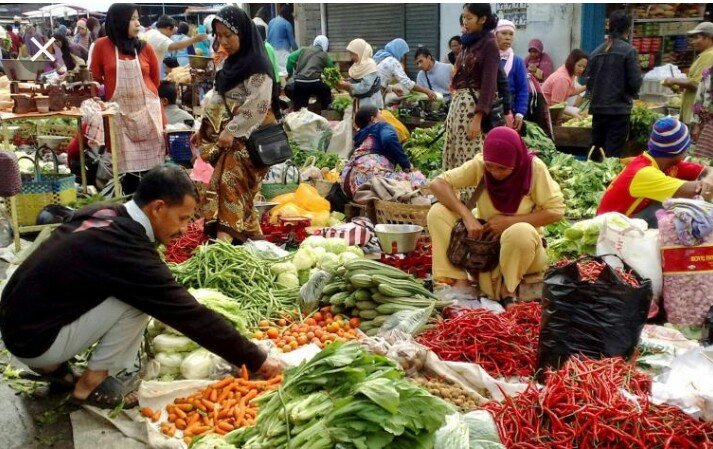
x: 240, y: 275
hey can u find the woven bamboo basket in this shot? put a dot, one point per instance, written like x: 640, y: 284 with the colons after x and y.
x: 390, y: 212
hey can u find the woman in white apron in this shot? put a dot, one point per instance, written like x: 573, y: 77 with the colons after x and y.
x: 128, y: 68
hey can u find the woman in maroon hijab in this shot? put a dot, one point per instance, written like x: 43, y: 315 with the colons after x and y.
x: 518, y: 198
x: 538, y: 62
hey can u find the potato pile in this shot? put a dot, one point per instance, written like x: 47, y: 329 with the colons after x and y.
x: 464, y: 400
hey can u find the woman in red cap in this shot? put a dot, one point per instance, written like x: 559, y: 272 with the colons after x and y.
x: 518, y: 197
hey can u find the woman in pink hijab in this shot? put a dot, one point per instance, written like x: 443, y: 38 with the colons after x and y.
x: 538, y: 62
x: 518, y: 197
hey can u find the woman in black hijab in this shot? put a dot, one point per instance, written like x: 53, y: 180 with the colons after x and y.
x: 118, y: 18
x: 245, y: 83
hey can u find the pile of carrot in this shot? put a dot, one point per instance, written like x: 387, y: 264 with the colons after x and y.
x: 219, y: 408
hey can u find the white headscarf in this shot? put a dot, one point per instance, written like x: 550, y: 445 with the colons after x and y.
x: 322, y: 42
x: 508, y: 55
x: 365, y: 65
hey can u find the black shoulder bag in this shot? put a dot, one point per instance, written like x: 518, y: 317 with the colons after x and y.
x: 269, y: 145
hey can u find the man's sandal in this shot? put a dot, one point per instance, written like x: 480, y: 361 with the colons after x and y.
x: 62, y: 377
x: 108, y: 395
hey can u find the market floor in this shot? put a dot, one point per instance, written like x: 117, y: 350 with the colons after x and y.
x: 37, y: 422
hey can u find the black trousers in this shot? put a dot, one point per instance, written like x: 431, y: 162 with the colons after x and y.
x: 304, y: 91
x: 610, y: 132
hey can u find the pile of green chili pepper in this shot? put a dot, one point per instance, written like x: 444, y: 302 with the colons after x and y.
x: 238, y: 274
x: 595, y: 404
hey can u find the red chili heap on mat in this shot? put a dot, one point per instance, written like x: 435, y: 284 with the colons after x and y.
x: 582, y: 406
x: 503, y: 344
x: 181, y: 249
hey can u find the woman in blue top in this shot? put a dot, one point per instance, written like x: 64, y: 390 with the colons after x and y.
x: 377, y: 154
x: 515, y: 70
x: 182, y: 54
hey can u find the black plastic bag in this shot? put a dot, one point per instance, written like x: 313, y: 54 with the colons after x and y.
x: 707, y: 333
x: 600, y: 319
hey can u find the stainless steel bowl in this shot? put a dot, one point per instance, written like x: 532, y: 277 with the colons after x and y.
x: 398, y: 238
x: 264, y: 206
x: 23, y: 69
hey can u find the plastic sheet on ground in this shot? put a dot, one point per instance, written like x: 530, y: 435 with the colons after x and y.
x: 92, y: 428
x: 660, y: 345
x: 688, y: 384
x: 417, y: 359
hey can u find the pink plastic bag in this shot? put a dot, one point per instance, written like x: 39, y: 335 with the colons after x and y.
x: 202, y: 171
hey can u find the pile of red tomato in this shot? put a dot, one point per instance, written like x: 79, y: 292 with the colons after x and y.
x: 321, y: 328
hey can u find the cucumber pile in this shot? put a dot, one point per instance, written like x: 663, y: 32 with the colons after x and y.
x: 374, y: 291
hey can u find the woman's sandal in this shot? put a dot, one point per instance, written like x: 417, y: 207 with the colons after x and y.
x: 108, y: 395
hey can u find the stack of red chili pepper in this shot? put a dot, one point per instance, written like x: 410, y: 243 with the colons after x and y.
x: 417, y: 263
x: 503, y: 344
x: 181, y: 249
x: 582, y: 406
x: 591, y: 270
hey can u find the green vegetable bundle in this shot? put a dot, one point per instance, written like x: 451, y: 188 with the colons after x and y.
x: 340, y: 105
x: 641, y: 123
x: 240, y: 275
x: 582, y: 182
x: 323, y: 160
x: 375, y: 292
x: 425, y: 152
x: 346, y: 398
x: 577, y: 240
x: 331, y: 77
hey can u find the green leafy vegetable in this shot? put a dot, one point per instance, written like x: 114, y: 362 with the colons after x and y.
x: 331, y: 77
x: 345, y: 397
x: 425, y: 150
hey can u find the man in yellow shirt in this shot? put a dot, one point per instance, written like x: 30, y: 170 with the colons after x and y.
x: 702, y: 43
x: 657, y: 175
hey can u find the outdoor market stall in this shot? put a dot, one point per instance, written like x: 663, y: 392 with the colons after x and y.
x: 7, y: 117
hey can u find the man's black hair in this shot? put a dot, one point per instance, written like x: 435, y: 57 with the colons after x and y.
x: 171, y: 62
x: 165, y: 22
x: 619, y: 22
x: 423, y: 51
x: 8, y: 28
x: 167, y: 90
x: 167, y: 182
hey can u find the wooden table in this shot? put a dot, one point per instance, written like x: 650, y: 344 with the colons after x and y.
x: 74, y: 114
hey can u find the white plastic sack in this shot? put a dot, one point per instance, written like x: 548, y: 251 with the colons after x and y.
x: 309, y: 130
x: 342, y: 141
x: 635, y: 245
x: 474, y: 430
x: 688, y: 384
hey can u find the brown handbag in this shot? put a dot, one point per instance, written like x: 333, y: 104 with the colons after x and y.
x: 473, y: 255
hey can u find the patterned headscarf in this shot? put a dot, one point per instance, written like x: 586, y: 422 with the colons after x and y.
x: 250, y: 59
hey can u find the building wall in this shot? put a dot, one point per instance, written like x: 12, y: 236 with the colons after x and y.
x: 557, y: 25
x: 308, y: 23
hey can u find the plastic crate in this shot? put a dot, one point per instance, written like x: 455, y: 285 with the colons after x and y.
x: 179, y: 146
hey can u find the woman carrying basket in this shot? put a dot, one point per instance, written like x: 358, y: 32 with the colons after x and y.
x: 241, y: 101
x: 515, y: 196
